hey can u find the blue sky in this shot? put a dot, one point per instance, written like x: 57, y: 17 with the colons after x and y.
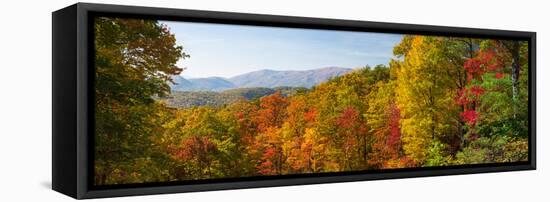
x: 230, y: 50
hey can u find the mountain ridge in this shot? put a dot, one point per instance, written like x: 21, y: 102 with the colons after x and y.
x: 267, y: 78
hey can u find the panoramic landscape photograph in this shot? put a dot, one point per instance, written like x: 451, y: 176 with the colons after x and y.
x: 185, y: 101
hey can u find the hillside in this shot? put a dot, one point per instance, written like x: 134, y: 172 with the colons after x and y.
x: 186, y: 99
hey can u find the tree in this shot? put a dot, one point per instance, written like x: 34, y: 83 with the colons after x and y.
x: 424, y: 93
x: 270, y: 117
x: 497, y: 109
x: 272, y: 111
x: 514, y: 54
x: 384, y: 122
x: 300, y: 116
x: 133, y: 62
x: 441, y: 101
x: 513, y: 48
x: 469, y: 96
x: 238, y: 139
x: 353, y: 131
x: 199, y: 152
x: 313, y: 151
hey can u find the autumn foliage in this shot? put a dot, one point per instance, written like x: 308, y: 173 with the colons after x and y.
x: 441, y: 101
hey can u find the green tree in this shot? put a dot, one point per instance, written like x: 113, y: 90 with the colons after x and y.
x: 133, y: 62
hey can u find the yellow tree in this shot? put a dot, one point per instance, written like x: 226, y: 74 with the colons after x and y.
x: 292, y: 133
x: 383, y: 120
x: 313, y: 151
x: 425, y: 94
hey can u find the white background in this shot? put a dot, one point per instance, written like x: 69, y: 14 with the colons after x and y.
x: 25, y: 102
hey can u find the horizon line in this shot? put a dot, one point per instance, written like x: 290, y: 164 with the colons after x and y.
x: 267, y: 69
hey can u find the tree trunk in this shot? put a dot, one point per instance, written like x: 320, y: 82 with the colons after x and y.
x: 514, y: 50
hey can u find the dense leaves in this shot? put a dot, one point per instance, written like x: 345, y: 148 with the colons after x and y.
x: 134, y: 59
x: 440, y: 101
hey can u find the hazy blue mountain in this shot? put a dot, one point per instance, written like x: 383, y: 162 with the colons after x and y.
x: 180, y: 83
x: 272, y: 78
x: 261, y: 78
x: 201, y: 84
x: 212, y: 83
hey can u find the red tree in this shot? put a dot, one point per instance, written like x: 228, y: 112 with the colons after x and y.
x: 485, y: 62
x: 198, y: 150
x: 353, y: 132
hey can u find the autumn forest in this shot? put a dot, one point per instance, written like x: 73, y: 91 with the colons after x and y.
x: 440, y: 101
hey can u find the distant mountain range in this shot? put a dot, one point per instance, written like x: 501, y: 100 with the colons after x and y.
x: 262, y: 78
x: 202, y: 84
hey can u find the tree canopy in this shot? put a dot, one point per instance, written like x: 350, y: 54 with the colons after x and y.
x: 441, y: 101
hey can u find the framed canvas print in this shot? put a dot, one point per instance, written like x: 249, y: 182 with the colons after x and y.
x: 155, y: 100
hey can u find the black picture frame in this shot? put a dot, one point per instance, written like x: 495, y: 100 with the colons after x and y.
x: 72, y: 93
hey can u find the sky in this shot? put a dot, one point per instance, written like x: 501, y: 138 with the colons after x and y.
x: 230, y: 50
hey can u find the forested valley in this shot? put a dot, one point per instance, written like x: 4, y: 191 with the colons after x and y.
x: 441, y: 101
